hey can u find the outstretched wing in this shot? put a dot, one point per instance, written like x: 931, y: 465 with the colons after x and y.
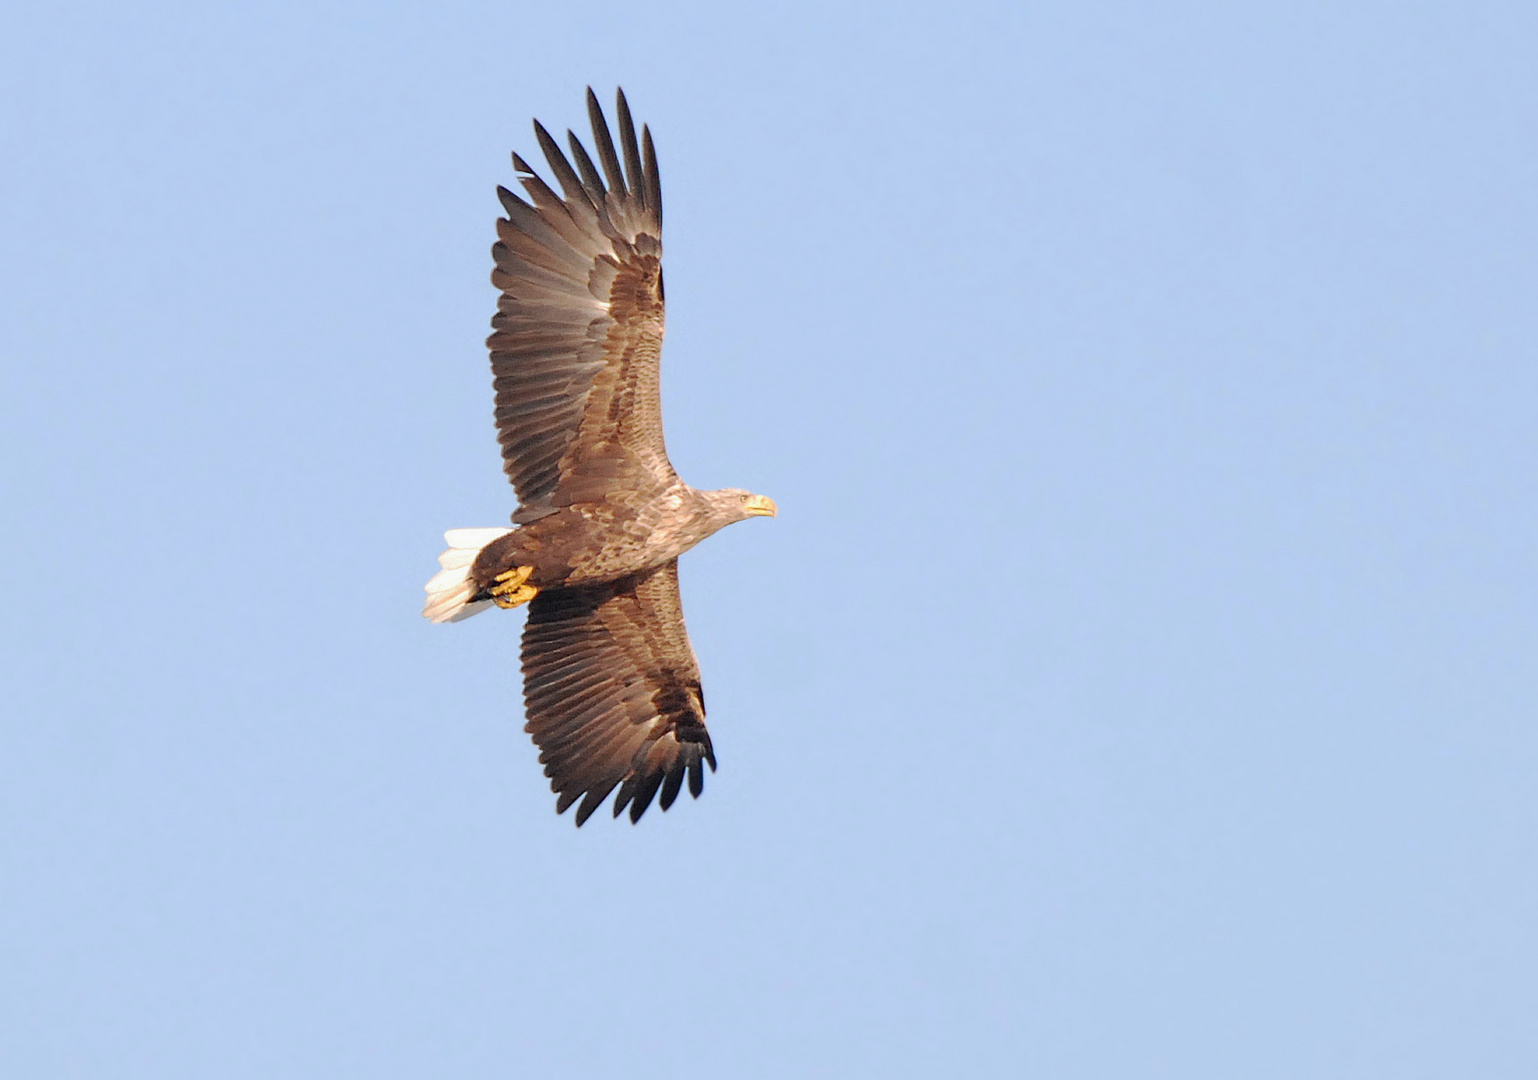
x: 613, y: 693
x: 578, y: 329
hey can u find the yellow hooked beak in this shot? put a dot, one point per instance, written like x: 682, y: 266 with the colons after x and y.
x: 760, y: 506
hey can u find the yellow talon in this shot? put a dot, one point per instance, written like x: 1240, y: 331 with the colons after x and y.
x: 521, y: 595
x: 510, y: 589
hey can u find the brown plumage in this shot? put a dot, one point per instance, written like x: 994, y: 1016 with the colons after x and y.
x: 611, y: 684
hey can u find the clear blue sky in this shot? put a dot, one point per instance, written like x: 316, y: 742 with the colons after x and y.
x: 1140, y: 680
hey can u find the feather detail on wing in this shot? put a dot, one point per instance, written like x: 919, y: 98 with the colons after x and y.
x: 613, y: 694
x: 578, y: 329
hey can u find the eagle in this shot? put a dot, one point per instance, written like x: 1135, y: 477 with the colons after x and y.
x: 611, y: 683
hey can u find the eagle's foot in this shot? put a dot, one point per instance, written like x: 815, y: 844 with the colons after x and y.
x: 512, y: 588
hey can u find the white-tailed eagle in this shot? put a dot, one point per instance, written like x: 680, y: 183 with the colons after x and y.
x: 611, y: 684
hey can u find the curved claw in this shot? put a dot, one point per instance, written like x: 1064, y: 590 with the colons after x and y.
x: 512, y: 588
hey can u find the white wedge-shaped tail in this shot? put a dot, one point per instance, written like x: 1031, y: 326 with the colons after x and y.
x: 449, y: 591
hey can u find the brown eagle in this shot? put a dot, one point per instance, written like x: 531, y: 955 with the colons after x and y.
x: 611, y: 683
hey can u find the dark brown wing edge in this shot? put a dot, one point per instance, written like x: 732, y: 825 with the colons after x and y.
x: 613, y: 694
x: 560, y: 262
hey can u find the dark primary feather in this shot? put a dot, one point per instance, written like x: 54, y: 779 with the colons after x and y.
x: 578, y: 329
x: 653, y: 177
x: 604, y: 143
x: 633, y: 181
x: 613, y: 694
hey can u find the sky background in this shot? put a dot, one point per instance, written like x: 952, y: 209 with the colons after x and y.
x: 1139, y: 680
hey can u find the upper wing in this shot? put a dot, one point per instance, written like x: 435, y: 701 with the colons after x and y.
x: 578, y: 329
x: 613, y: 693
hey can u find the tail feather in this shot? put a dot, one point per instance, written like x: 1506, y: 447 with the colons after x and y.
x: 450, y: 589
x: 473, y: 539
x: 454, y: 557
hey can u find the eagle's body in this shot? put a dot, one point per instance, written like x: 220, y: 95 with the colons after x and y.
x: 593, y: 543
x: 611, y: 684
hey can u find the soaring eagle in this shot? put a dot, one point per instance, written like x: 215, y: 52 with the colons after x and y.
x: 611, y: 684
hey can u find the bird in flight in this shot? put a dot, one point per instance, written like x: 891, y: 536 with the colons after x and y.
x: 611, y: 683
